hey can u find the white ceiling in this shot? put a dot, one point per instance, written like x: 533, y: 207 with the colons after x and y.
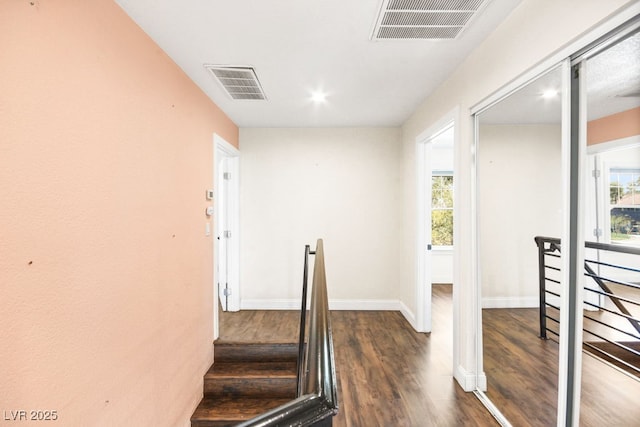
x: 300, y: 46
x: 612, y: 86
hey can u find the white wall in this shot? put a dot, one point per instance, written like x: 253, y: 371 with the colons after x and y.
x: 442, y: 266
x: 536, y: 30
x: 341, y: 185
x: 519, y: 197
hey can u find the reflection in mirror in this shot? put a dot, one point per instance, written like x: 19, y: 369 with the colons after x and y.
x: 519, y: 197
x: 611, y: 329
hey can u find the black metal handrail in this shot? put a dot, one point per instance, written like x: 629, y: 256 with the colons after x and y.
x: 303, y: 317
x: 317, y: 400
x: 550, y: 248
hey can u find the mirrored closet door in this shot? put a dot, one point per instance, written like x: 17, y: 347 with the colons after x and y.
x: 519, y: 198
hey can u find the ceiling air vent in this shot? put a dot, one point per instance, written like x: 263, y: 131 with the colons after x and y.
x: 239, y: 82
x: 424, y: 19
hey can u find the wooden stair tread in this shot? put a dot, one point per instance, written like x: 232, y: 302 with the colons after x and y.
x: 231, y: 409
x: 246, y: 380
x: 252, y: 370
x: 258, y: 352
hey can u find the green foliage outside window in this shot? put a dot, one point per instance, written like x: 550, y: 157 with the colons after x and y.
x: 442, y: 210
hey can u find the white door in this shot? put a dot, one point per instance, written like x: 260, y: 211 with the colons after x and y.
x: 223, y: 232
x: 226, y: 235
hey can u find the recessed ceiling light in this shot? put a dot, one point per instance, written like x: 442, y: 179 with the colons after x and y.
x: 549, y: 93
x: 318, y: 97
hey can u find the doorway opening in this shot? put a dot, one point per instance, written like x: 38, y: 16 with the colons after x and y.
x: 435, y: 217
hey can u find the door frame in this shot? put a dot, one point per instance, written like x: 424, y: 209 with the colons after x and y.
x: 422, y: 321
x: 223, y: 149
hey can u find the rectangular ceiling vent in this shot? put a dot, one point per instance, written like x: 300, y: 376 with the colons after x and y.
x: 238, y: 82
x: 424, y: 19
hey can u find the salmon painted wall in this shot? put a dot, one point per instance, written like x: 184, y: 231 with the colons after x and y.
x: 616, y: 126
x: 106, y: 151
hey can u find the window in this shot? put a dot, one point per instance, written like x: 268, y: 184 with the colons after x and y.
x: 624, y: 198
x: 442, y: 209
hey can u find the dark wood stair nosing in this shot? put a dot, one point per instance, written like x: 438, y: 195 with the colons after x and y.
x: 252, y: 369
x: 222, y: 410
x: 258, y: 352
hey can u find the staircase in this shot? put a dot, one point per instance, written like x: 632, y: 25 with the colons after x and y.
x: 246, y: 380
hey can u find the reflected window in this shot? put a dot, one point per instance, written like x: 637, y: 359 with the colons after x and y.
x: 624, y: 194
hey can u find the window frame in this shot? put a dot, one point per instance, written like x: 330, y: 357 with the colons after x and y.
x: 442, y: 173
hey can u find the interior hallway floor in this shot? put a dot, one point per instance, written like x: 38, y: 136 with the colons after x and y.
x: 388, y: 374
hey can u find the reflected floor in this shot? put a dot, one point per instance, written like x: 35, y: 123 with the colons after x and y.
x: 522, y: 376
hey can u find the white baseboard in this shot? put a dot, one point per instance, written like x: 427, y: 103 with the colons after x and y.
x: 408, y: 314
x: 524, y: 302
x: 270, y: 304
x: 511, y: 302
x: 334, y: 304
x: 469, y: 381
x: 481, y: 382
x: 364, y: 304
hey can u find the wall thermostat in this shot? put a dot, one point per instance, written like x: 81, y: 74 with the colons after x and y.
x: 209, y: 210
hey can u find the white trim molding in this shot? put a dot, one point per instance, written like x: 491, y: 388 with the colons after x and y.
x: 511, y: 302
x: 469, y: 381
x: 365, y: 304
x: 334, y: 304
x: 270, y: 304
x: 408, y: 314
x: 422, y: 322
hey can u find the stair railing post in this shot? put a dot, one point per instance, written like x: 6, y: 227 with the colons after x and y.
x: 542, y: 288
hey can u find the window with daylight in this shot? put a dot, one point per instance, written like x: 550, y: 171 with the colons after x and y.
x: 442, y: 209
x: 624, y: 198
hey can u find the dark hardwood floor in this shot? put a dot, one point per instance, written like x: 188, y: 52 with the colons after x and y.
x: 388, y: 375
x: 522, y: 376
x: 521, y: 369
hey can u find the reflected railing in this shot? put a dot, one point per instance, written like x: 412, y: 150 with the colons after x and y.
x: 317, y: 396
x: 611, y: 323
